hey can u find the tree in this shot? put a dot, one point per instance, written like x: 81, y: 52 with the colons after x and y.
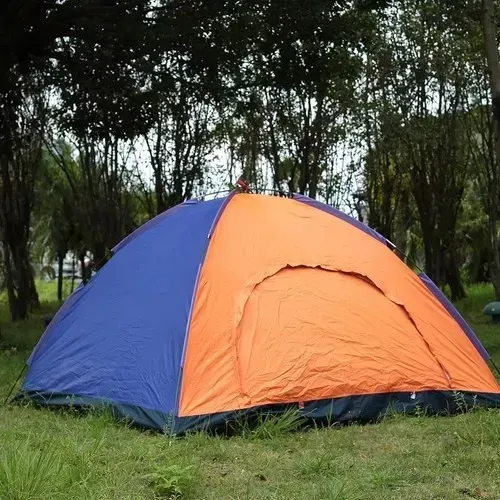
x: 32, y: 34
x: 57, y: 218
x: 491, y: 50
x: 386, y: 177
x: 179, y: 137
x: 295, y: 86
x: 417, y: 116
x: 23, y: 114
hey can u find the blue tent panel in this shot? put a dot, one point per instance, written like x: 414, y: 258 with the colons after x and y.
x: 120, y: 338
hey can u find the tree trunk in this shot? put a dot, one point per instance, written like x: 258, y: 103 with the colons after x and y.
x: 490, y: 44
x: 9, y: 281
x: 402, y: 223
x: 99, y: 254
x: 495, y: 279
x: 432, y: 249
x: 495, y: 248
x: 161, y: 205
x: 83, y: 267
x: 34, y: 298
x: 482, y: 272
x: 21, y: 288
x: 27, y: 297
x: 431, y: 267
x: 60, y: 263
x: 73, y: 269
x: 452, y: 275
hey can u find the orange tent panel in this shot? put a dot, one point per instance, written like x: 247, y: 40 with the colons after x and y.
x: 296, y: 305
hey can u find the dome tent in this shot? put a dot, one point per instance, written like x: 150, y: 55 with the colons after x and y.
x: 217, y: 308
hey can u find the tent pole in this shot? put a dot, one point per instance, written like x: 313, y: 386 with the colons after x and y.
x: 14, y: 385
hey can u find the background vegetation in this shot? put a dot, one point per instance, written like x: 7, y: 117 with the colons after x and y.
x: 112, y: 112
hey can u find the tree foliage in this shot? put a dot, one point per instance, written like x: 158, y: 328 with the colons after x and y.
x: 114, y: 111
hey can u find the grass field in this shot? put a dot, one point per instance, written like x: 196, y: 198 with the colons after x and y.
x: 49, y: 455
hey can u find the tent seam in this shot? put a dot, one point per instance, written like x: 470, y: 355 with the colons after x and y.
x: 211, y: 231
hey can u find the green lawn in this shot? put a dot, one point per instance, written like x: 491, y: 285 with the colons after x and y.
x: 46, y: 454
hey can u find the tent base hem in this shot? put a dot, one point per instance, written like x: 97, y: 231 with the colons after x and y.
x: 360, y: 408
x: 131, y: 414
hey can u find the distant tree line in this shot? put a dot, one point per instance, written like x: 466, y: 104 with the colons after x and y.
x: 113, y: 111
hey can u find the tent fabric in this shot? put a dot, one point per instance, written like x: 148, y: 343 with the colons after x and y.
x: 455, y: 314
x: 341, y: 215
x: 254, y: 303
x: 385, y: 332
x: 361, y: 409
x: 122, y: 336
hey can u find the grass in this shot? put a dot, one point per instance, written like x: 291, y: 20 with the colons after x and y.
x: 52, y: 455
